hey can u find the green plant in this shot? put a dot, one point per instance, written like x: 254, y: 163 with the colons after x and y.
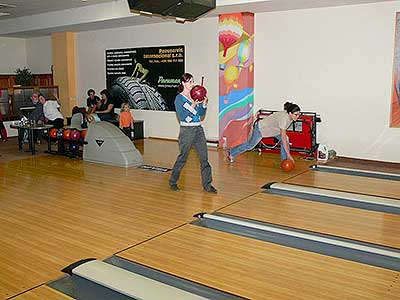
x: 23, y: 76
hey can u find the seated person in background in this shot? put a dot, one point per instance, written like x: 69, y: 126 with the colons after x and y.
x: 97, y: 106
x: 37, y: 115
x: 51, y: 112
x: 126, y: 120
x: 91, y: 101
x: 93, y: 117
x: 106, y: 110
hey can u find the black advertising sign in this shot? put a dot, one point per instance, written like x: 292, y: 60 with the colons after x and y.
x: 147, y: 78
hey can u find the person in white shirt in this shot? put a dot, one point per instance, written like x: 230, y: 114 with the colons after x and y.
x: 51, y: 112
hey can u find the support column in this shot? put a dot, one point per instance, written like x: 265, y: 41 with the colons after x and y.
x: 64, y: 69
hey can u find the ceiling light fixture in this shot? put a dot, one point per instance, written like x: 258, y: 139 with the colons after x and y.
x: 4, y: 5
x: 7, y: 5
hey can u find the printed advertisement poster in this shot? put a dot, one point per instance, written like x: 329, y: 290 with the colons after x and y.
x: 147, y: 78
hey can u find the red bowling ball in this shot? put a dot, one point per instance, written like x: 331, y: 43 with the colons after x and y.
x: 53, y: 133
x: 198, y: 92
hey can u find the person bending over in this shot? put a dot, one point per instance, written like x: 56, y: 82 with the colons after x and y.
x: 191, y: 133
x: 275, y: 125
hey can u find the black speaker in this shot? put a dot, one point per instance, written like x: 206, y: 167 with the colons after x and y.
x: 189, y: 10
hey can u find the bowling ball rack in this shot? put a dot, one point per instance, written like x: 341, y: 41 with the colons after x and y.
x: 65, y: 147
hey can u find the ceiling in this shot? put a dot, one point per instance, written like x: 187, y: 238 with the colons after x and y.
x: 30, y: 18
x: 33, y: 7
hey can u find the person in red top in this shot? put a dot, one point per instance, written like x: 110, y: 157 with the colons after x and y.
x: 3, y: 131
x: 126, y: 120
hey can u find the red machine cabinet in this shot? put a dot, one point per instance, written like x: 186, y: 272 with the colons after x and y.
x: 302, y: 134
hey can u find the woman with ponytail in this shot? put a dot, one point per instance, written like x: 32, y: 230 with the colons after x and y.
x: 191, y: 133
x: 275, y: 125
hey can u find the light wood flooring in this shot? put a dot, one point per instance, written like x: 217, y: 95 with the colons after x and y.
x: 56, y: 210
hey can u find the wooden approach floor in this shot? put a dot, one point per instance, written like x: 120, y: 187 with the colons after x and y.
x: 55, y: 210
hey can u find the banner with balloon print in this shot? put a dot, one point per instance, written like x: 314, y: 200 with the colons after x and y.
x: 236, y: 77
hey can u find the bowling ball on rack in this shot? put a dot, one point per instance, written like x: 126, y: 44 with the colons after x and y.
x: 83, y: 134
x: 53, y: 133
x: 73, y: 147
x: 287, y: 165
x: 75, y: 135
x: 198, y: 92
x: 60, y: 133
x: 67, y: 134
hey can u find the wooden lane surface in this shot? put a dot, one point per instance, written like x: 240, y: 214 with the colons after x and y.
x: 42, y: 293
x: 368, y: 165
x: 352, y: 223
x: 260, y: 270
x: 348, y: 183
x: 55, y: 210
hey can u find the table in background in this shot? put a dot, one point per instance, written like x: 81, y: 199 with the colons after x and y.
x: 30, y: 130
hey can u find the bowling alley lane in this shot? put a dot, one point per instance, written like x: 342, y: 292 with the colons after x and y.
x: 260, y: 270
x: 348, y: 183
x: 352, y: 223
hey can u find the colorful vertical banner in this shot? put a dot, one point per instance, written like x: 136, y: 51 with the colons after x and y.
x: 236, y: 77
x: 395, y: 100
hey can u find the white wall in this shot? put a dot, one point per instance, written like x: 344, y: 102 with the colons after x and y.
x: 334, y: 61
x: 337, y: 62
x: 39, y: 54
x: 12, y: 55
x: 201, y: 50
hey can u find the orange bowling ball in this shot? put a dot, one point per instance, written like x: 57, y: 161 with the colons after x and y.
x: 67, y: 134
x: 83, y: 134
x: 287, y: 165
